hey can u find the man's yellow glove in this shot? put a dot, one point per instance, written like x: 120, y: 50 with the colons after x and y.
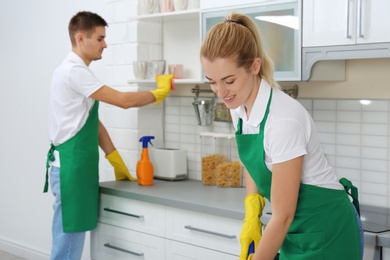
x: 252, y: 227
x: 164, y: 84
x: 120, y: 169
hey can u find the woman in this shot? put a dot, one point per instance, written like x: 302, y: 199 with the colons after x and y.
x: 312, y: 215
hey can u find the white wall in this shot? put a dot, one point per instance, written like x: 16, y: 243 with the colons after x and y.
x: 34, y: 40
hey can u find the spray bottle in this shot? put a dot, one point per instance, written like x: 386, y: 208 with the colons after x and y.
x: 145, y: 172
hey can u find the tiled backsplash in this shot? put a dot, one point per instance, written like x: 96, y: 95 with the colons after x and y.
x: 354, y: 135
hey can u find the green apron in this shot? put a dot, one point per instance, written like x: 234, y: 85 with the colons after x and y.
x: 79, y: 176
x: 324, y: 225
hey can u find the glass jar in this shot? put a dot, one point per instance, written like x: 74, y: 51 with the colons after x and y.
x: 219, y: 167
x: 222, y: 113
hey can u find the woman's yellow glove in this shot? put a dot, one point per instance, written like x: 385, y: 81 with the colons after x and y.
x: 252, y: 227
x: 164, y: 84
x: 120, y: 169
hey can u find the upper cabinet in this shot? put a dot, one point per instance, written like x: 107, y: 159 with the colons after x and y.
x: 336, y: 30
x: 180, y: 42
x: 182, y: 34
x: 343, y: 22
x: 279, y: 24
x: 296, y: 34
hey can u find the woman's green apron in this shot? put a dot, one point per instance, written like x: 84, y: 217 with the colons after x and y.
x: 79, y: 176
x: 324, y: 225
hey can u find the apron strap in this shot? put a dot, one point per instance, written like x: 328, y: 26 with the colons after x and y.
x: 353, y: 193
x: 239, y: 126
x: 50, y: 158
x: 262, y: 123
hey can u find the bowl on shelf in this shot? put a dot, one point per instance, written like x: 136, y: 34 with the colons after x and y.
x: 155, y: 67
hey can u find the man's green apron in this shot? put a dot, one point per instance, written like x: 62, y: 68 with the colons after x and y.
x: 324, y: 225
x: 79, y: 176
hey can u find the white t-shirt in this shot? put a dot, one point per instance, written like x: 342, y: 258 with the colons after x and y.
x: 289, y: 133
x: 69, y: 106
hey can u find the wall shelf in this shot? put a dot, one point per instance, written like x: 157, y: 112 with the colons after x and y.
x: 168, y: 16
x: 177, y: 81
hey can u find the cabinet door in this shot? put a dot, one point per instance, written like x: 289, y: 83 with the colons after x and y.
x: 329, y: 22
x: 180, y: 251
x: 386, y: 253
x: 279, y: 25
x: 373, y: 21
x: 132, y: 214
x: 114, y: 243
x: 204, y: 230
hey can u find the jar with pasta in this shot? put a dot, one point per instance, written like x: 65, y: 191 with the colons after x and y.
x: 220, y: 163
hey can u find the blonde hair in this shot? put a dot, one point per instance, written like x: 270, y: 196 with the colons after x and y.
x: 238, y: 37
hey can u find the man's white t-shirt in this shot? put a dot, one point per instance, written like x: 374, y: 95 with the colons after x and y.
x: 70, y: 103
x: 289, y: 133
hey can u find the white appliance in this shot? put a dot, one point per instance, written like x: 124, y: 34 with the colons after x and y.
x: 169, y: 164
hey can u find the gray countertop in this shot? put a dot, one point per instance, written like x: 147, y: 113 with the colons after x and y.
x: 193, y: 195
x: 185, y: 194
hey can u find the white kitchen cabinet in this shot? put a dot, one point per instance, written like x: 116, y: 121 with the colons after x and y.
x: 337, y: 30
x: 133, y: 229
x: 279, y: 24
x: 182, y: 251
x: 386, y: 253
x: 183, y: 31
x: 116, y: 243
x: 132, y: 214
x: 203, y: 230
x: 345, y: 22
x: 180, y: 43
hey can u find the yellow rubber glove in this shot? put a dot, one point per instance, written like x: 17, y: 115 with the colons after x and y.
x: 120, y: 169
x: 252, y: 227
x: 164, y: 84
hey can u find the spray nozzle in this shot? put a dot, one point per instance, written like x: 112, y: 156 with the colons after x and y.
x: 145, y: 140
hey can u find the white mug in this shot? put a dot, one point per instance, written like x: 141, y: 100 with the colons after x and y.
x: 146, y: 6
x: 139, y: 69
x: 177, y: 70
x: 180, y: 4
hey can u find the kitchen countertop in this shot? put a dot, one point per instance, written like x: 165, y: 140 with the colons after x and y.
x: 193, y: 195
x: 185, y: 194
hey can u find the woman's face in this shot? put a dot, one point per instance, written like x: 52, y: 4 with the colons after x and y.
x: 236, y: 86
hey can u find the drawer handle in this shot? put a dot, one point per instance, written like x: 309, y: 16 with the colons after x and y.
x: 123, y: 250
x: 123, y: 213
x: 210, y: 232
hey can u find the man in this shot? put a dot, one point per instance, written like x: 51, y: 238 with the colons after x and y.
x: 75, y: 133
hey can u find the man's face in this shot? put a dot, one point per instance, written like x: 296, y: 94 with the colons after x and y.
x: 92, y: 45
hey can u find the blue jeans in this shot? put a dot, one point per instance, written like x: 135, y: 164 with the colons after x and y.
x: 361, y: 232
x: 65, y: 246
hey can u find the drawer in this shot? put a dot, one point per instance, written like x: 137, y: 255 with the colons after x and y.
x: 110, y: 242
x: 136, y: 215
x: 209, y: 231
x: 180, y: 251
